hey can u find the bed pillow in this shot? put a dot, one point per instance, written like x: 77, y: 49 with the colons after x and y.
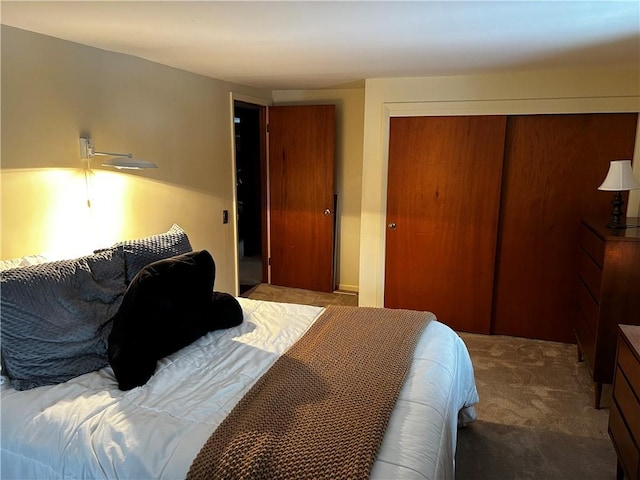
x: 143, y: 251
x: 14, y: 263
x: 169, y: 304
x: 55, y: 317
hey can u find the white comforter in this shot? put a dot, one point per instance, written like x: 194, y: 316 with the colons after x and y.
x: 87, y: 428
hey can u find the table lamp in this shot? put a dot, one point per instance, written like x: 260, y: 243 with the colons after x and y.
x: 619, y: 179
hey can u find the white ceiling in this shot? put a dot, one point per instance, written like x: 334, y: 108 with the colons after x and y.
x: 301, y: 44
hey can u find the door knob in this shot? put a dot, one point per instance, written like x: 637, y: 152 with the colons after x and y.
x: 327, y: 212
x: 392, y: 226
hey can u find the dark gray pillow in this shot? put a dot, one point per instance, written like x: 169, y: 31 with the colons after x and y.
x: 141, y: 252
x: 56, y: 317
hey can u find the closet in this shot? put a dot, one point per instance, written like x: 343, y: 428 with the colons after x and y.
x: 483, y: 214
x: 443, y: 202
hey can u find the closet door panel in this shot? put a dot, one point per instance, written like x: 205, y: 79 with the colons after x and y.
x: 553, y: 167
x: 442, y: 205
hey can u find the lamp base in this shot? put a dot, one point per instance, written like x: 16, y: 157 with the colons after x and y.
x: 616, y: 225
x: 616, y: 214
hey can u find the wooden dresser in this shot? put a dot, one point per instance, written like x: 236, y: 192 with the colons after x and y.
x: 624, y: 417
x: 608, y: 293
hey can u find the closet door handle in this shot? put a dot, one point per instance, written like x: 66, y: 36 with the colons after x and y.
x: 392, y: 226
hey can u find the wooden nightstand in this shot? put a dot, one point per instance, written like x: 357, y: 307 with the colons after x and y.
x: 608, y: 293
x: 624, y: 416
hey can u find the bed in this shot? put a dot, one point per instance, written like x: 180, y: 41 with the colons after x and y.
x: 87, y: 427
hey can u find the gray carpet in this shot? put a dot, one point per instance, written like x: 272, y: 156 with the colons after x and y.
x: 536, y: 418
x: 276, y: 293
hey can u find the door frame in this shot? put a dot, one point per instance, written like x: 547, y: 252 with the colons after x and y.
x: 375, y: 170
x: 233, y: 97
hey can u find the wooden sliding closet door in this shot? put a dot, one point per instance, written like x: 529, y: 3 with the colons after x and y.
x: 442, y: 216
x: 553, y: 167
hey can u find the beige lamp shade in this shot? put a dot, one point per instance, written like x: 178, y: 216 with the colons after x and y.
x: 620, y: 177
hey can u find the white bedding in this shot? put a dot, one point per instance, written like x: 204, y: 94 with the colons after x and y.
x: 87, y: 428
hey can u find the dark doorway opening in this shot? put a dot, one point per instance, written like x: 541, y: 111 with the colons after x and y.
x: 248, y: 193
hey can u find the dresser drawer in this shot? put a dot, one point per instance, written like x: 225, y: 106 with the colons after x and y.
x: 587, y: 306
x: 629, y: 365
x: 592, y: 244
x: 627, y: 450
x: 590, y: 273
x: 626, y: 400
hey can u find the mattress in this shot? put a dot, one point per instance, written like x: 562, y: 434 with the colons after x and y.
x: 88, y: 428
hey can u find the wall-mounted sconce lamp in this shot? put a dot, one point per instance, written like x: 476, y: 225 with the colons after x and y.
x: 619, y: 179
x: 121, y: 160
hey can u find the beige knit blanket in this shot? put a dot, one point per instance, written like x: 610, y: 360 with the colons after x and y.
x: 322, y: 409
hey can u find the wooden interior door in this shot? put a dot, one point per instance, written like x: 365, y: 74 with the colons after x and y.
x: 301, y: 189
x: 443, y: 197
x: 553, y: 167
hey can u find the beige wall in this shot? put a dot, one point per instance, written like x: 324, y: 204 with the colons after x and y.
x: 349, y: 131
x: 525, y: 92
x: 54, y: 91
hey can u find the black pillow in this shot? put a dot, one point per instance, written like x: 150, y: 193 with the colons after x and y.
x: 169, y: 304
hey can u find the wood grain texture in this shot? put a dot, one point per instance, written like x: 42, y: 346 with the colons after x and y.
x: 608, y: 293
x: 553, y: 166
x: 632, y: 334
x: 443, y: 195
x: 624, y: 420
x: 301, y: 173
x: 619, y: 294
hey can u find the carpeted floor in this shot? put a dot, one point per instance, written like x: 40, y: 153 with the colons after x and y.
x: 276, y: 293
x: 536, y: 418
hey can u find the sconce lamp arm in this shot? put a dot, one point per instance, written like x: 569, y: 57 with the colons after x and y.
x: 110, y: 154
x: 87, y: 150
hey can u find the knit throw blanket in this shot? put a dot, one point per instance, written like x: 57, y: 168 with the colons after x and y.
x: 321, y: 410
